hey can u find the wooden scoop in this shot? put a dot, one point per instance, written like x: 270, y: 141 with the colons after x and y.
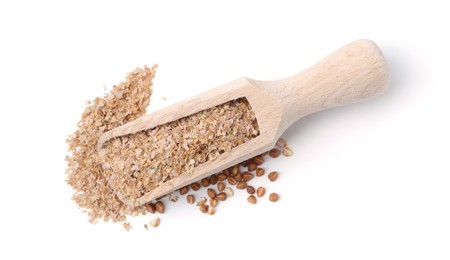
x: 353, y: 73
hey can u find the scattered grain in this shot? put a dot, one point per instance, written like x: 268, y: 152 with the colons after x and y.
x: 204, y: 182
x: 251, y: 166
x: 204, y: 208
x: 246, y: 176
x: 287, y: 152
x: 150, y: 207
x: 221, y: 186
x: 273, y: 197
x: 213, y: 179
x: 235, y: 170
x: 241, y: 185
x: 159, y: 205
x: 213, y: 202
x: 281, y: 143
x: 273, y: 176
x: 229, y: 192
x: 250, y: 190
x: 211, y: 193
x: 195, y: 186
x: 260, y: 191
x: 190, y: 199
x: 274, y: 153
x: 251, y: 199
x: 258, y: 160
x: 260, y: 172
x: 173, y: 198
x: 231, y: 180
x: 184, y: 190
x: 245, y: 163
x: 222, y: 196
x: 211, y: 211
x: 202, y: 201
x: 221, y: 177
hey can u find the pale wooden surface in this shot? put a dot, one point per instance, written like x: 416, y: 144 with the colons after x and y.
x: 353, y: 73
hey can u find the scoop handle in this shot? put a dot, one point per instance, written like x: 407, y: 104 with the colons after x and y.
x: 353, y: 73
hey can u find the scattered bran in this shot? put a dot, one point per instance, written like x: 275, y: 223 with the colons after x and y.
x: 124, y: 103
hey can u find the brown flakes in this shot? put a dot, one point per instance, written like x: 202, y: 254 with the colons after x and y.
x: 126, y: 226
x: 85, y: 173
x: 137, y: 163
x: 155, y: 222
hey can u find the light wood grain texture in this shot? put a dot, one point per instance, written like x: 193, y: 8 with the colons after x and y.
x: 353, y: 73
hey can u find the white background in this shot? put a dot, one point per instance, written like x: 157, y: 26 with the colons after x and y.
x: 367, y: 181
